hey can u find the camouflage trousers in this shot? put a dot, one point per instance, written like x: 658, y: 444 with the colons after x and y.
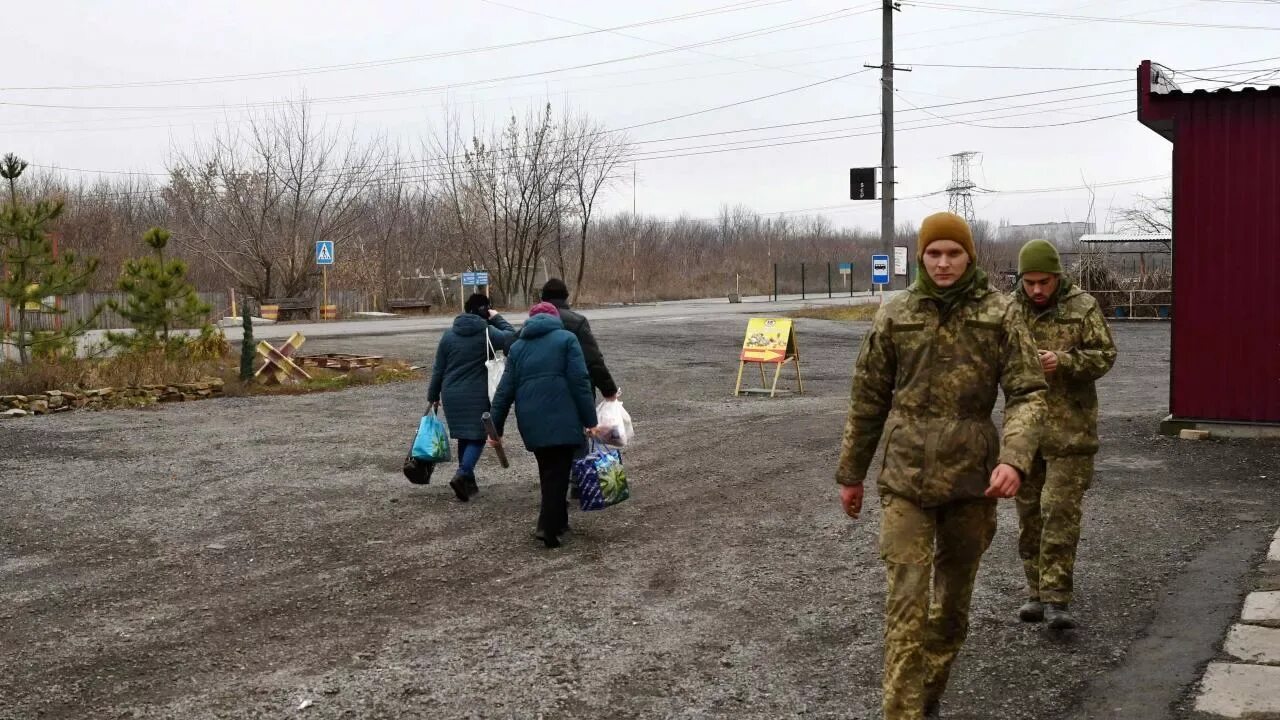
x: 1049, y: 510
x: 926, y: 622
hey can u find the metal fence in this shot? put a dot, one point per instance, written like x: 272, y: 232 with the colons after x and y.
x: 820, y: 279
x: 1129, y: 304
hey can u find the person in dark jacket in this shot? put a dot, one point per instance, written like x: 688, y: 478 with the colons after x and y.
x: 557, y: 293
x: 547, y: 380
x: 460, y: 378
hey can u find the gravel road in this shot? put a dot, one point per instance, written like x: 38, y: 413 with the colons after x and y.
x: 248, y: 557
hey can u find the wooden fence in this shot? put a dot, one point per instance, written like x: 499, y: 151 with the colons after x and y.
x: 80, y: 307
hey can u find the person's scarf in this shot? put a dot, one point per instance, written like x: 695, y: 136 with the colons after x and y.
x: 974, y: 277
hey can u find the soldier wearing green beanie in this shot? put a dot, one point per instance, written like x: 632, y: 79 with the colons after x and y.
x: 1075, y: 349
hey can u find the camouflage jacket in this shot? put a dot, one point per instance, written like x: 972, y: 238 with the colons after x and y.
x: 927, y: 383
x: 1076, y: 331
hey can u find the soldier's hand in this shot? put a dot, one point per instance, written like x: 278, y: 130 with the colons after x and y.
x: 1005, y: 482
x: 851, y: 499
x: 1048, y: 361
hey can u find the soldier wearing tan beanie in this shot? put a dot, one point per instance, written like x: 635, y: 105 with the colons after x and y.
x: 927, y: 377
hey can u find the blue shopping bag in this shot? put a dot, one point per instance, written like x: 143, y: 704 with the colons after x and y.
x: 432, y: 443
x: 601, y: 478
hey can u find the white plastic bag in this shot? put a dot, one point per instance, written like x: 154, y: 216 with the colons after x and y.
x: 615, y: 424
x: 494, y: 366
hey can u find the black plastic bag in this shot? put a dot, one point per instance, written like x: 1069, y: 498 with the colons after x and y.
x: 417, y: 471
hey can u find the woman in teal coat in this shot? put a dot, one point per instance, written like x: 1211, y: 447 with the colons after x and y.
x: 460, y: 378
x: 546, y: 378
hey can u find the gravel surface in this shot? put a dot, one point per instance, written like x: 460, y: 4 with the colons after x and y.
x: 247, y: 557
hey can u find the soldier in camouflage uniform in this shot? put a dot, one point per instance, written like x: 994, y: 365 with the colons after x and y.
x: 926, y: 380
x: 1075, y: 350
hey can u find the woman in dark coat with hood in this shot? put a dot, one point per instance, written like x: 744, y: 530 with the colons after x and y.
x: 546, y: 378
x: 462, y: 381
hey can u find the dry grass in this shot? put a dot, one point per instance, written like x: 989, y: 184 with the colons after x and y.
x: 87, y: 374
x: 157, y: 368
x: 843, y: 313
x: 326, y: 380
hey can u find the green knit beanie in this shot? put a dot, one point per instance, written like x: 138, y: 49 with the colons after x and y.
x: 1039, y: 256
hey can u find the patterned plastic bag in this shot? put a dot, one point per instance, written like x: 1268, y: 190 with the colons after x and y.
x: 601, y: 479
x: 432, y: 443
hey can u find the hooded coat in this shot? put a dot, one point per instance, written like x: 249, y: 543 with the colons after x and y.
x: 459, y: 378
x: 575, y: 323
x: 547, y: 381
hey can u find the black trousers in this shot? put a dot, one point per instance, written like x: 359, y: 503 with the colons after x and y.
x: 554, y: 464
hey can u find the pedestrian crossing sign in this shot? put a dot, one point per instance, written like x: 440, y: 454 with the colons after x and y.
x: 324, y: 252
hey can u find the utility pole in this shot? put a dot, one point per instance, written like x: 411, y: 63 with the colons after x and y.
x: 887, y: 230
x: 635, y: 230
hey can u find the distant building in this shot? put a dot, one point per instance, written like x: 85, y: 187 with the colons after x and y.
x: 1059, y: 233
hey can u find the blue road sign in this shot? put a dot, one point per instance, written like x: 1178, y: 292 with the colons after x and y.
x: 879, y: 269
x: 475, y: 278
x: 324, y: 252
x: 846, y: 268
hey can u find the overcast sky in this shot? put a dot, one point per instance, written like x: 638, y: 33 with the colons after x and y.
x: 789, y: 44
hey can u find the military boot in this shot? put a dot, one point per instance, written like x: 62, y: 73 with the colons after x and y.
x: 1058, y: 616
x: 473, y: 489
x: 1032, y: 611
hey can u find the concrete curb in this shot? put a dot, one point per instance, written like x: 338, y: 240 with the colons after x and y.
x: 1250, y: 686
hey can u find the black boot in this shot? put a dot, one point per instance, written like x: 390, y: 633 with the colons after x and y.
x: 1032, y: 611
x: 933, y: 710
x: 472, y: 488
x: 1058, y: 616
x: 551, y: 540
x: 460, y: 487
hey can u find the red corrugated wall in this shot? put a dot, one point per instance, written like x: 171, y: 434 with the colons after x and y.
x: 1226, y: 262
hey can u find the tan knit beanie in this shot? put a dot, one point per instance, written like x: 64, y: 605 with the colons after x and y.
x: 945, y: 226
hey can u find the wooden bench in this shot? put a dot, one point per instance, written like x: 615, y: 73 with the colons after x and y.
x: 282, y: 309
x: 409, y: 306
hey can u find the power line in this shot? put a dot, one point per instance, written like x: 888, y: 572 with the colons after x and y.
x: 740, y: 102
x: 318, y: 69
x: 433, y: 172
x: 1065, y: 188
x: 935, y: 194
x: 631, y: 36
x: 953, y: 121
x: 1085, y: 18
x: 793, y: 25
x: 697, y: 150
x: 437, y: 162
x: 1019, y: 67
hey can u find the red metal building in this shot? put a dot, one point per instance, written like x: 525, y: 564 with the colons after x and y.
x: 1226, y: 248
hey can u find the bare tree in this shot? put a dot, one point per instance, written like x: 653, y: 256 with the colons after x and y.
x: 1148, y: 215
x: 593, y: 155
x: 506, y: 195
x: 256, y: 204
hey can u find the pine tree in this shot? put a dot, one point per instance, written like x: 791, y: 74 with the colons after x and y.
x: 33, y: 271
x: 159, y: 299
